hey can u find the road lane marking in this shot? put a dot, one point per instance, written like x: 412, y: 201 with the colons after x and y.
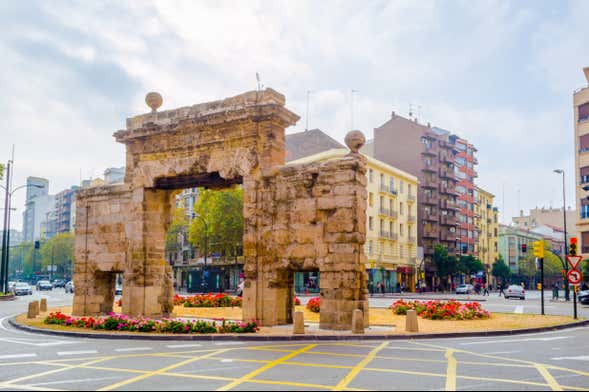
x: 183, y: 345
x: 66, y: 353
x: 268, y: 366
x: 82, y: 380
x: 579, y: 358
x: 359, y: 367
x: 516, y: 341
x: 160, y: 371
x: 450, y: 370
x: 127, y: 349
x: 13, y: 356
x: 502, y: 352
x: 550, y: 380
x: 228, y: 344
x: 519, y: 309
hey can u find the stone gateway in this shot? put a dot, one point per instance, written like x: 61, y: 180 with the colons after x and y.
x: 309, y: 217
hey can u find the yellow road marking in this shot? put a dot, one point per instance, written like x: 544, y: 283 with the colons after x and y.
x: 409, y: 372
x: 160, y: 371
x: 358, y: 368
x: 268, y: 366
x: 450, y: 371
x: 491, y: 379
x: 405, y: 359
x: 336, y: 354
x: 550, y: 380
x: 319, y: 365
x: 294, y: 384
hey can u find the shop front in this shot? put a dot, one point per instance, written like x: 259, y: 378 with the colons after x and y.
x: 381, y: 278
x: 406, y: 278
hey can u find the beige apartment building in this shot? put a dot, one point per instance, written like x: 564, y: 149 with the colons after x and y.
x: 391, y: 236
x: 546, y: 217
x: 581, y: 110
x: 487, y: 225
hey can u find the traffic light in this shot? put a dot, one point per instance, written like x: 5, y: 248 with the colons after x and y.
x: 524, y: 248
x: 539, y: 249
x: 573, y: 247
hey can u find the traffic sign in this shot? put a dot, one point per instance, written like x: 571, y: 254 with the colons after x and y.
x: 574, y: 277
x: 574, y: 261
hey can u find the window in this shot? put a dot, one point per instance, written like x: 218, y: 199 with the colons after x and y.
x: 460, y: 161
x: 381, y: 179
x: 401, y: 229
x: 584, y: 112
x: 585, y: 212
x: 409, y: 189
x: 370, y: 247
x: 392, y: 184
x: 401, y: 208
x: 381, y: 225
x: 370, y: 223
x: 391, y: 230
x: 391, y: 205
x: 382, y: 203
x: 370, y: 200
x: 401, y: 184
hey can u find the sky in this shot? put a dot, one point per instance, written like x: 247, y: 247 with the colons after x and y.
x: 498, y: 73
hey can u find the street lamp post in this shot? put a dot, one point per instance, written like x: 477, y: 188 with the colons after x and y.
x: 206, y: 244
x: 566, y: 250
x: 6, y: 233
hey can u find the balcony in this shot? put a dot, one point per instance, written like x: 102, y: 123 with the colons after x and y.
x: 393, y: 214
x: 447, y: 173
x: 428, y: 250
x: 429, y: 167
x: 393, y: 236
x: 430, y: 233
x: 384, y: 234
x: 447, y: 158
x: 489, y: 235
x: 387, y: 189
x: 411, y: 198
x: 412, y: 239
x: 411, y: 219
x: 431, y: 217
x: 447, y: 190
x: 449, y: 205
x: 431, y: 200
x: 431, y: 150
x: 430, y: 183
x: 384, y: 211
x: 489, y: 221
x: 449, y: 220
x: 448, y: 236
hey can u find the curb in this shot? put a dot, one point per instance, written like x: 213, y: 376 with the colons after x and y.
x: 246, y: 337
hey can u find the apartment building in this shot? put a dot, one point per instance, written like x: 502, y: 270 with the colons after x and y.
x: 511, y: 240
x: 546, y: 216
x: 430, y: 155
x: 38, y: 203
x: 581, y: 120
x: 391, y: 232
x: 487, y: 225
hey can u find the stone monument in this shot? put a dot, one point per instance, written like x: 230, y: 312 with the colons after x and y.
x: 308, y: 217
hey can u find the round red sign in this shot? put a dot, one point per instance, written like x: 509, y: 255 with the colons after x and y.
x: 574, y: 276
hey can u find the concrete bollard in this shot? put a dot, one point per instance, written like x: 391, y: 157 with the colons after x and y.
x: 299, y: 323
x: 37, y: 307
x: 43, y: 306
x: 357, y: 321
x: 411, y: 321
x: 31, y: 311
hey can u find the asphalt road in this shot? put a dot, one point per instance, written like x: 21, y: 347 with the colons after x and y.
x: 555, y: 360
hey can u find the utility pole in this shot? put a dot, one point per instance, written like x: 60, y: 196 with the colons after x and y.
x: 4, y: 265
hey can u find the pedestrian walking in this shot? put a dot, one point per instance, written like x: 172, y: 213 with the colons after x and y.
x: 382, y: 288
x: 501, y: 290
x: 486, y: 290
x: 398, y: 286
x: 371, y: 287
x: 555, y: 291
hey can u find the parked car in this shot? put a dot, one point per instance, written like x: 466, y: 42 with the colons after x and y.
x: 515, y: 291
x: 44, y: 285
x: 11, y: 287
x: 22, y: 288
x: 119, y: 289
x: 584, y: 297
x: 69, y: 287
x: 59, y: 283
x: 465, y: 289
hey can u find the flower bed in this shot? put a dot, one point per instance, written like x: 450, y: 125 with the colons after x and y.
x: 207, y: 301
x: 314, y: 304
x: 119, y: 322
x: 442, y: 310
x: 297, y: 301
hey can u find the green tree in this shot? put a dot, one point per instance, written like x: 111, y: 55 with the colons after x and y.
x: 179, y: 226
x: 585, y: 270
x: 445, y: 264
x: 552, y: 264
x: 469, y: 265
x: 219, y: 222
x: 501, y: 270
x: 59, y: 252
x: 1, y: 171
x: 21, y: 259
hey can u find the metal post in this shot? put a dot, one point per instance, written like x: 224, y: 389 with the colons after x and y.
x: 567, y: 295
x: 575, y: 302
x: 3, y: 266
x: 542, y: 283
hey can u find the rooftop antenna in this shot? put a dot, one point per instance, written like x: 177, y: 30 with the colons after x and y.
x: 352, y: 109
x: 307, y: 119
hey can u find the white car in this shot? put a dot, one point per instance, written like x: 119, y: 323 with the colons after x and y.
x: 22, y: 288
x: 515, y: 291
x: 465, y: 289
x: 11, y: 286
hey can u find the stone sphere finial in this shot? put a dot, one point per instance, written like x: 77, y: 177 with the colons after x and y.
x: 154, y: 101
x: 355, y: 140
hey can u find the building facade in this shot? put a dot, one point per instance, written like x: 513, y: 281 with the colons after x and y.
x: 430, y: 155
x: 546, y: 216
x: 581, y: 121
x: 38, y: 203
x: 511, y: 240
x: 487, y: 226
x: 391, y: 232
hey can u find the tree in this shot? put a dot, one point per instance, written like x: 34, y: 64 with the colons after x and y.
x: 445, y: 264
x: 585, y: 267
x: 469, y: 265
x: 219, y: 222
x: 501, y: 270
x: 179, y: 226
x: 21, y: 259
x: 1, y: 171
x: 552, y: 264
x: 59, y: 252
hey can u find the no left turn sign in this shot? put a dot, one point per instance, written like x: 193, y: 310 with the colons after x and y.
x: 574, y: 277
